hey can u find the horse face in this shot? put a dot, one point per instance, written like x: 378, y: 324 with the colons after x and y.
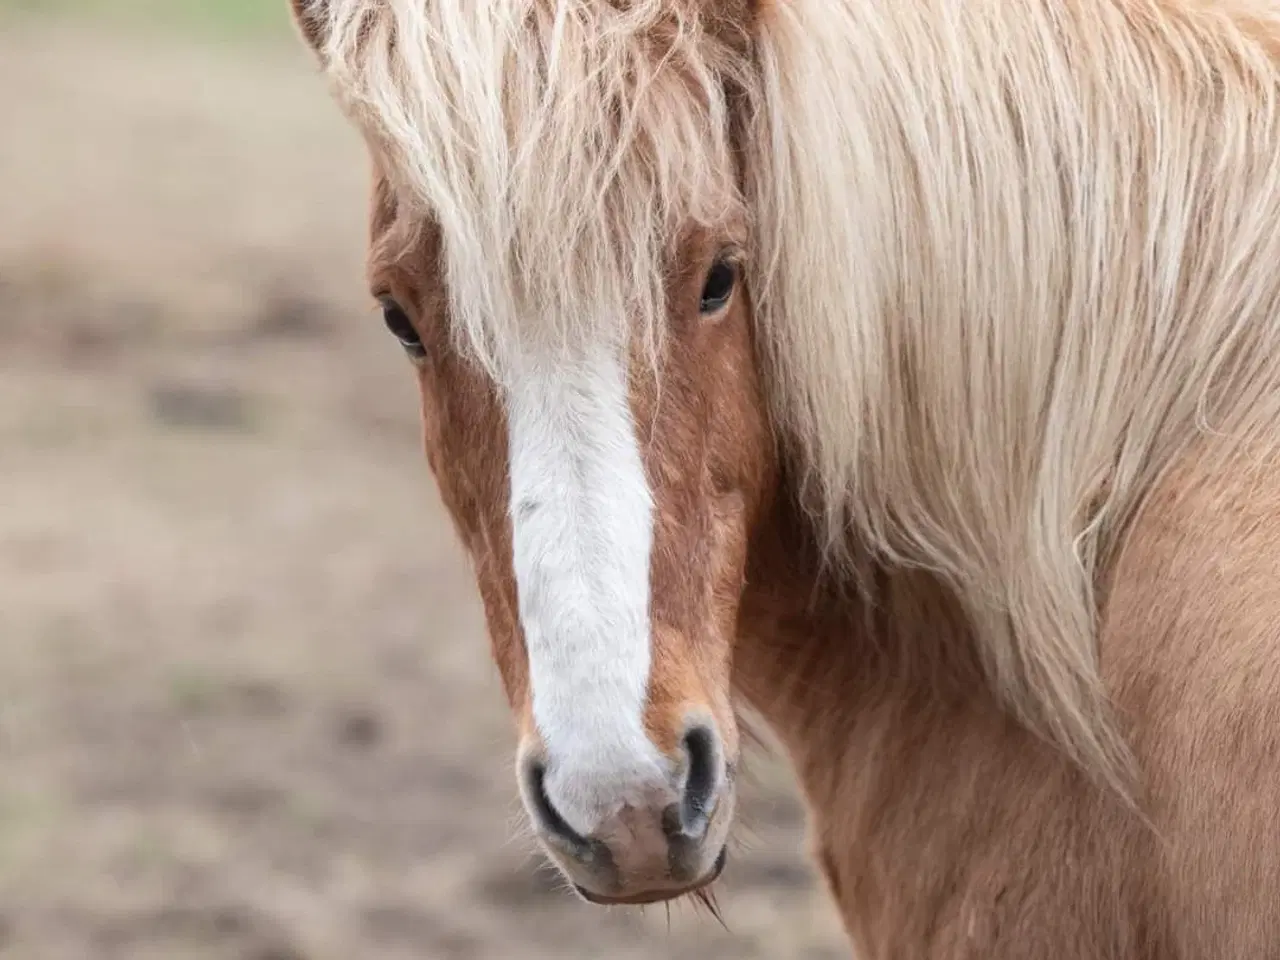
x: 606, y: 502
x: 604, y: 488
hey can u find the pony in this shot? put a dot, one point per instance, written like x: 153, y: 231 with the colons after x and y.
x: 905, y: 374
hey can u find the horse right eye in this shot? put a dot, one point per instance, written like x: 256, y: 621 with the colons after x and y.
x: 402, y: 329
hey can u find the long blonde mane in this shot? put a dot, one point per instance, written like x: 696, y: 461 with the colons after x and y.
x: 1010, y: 257
x: 559, y: 147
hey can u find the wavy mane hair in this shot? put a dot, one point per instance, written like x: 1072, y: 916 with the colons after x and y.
x: 1002, y: 270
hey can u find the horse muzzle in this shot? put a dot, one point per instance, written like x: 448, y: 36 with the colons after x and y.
x: 655, y: 841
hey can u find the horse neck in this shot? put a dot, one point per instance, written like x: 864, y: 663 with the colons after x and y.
x: 912, y: 772
x: 822, y: 662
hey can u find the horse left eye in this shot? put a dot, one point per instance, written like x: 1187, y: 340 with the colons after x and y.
x: 718, y: 286
x: 402, y: 329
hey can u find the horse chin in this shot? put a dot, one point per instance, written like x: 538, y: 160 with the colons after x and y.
x: 698, y: 889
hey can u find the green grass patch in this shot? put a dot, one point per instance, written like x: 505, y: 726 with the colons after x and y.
x: 220, y: 18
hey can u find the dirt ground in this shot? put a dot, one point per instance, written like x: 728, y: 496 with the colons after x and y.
x: 246, y: 705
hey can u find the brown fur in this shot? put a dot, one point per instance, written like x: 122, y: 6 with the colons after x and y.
x: 945, y: 830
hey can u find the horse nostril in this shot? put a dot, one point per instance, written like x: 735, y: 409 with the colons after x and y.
x: 546, y: 815
x: 701, y: 747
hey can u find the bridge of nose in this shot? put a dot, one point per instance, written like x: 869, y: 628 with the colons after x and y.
x: 582, y: 533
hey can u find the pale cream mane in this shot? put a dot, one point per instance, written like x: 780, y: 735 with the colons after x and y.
x: 559, y: 147
x: 1009, y: 257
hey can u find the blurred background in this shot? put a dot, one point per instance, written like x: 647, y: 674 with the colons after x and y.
x: 247, y: 710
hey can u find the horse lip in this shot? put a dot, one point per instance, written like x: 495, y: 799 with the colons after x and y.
x: 657, y: 896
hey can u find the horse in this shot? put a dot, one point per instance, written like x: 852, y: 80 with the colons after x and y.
x: 904, y: 374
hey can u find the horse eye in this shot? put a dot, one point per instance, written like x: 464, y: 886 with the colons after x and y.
x: 718, y: 286
x: 398, y: 323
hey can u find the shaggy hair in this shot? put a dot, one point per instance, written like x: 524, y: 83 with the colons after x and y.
x: 1010, y: 256
x: 559, y: 148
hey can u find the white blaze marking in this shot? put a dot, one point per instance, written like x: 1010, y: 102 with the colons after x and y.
x: 582, y: 525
